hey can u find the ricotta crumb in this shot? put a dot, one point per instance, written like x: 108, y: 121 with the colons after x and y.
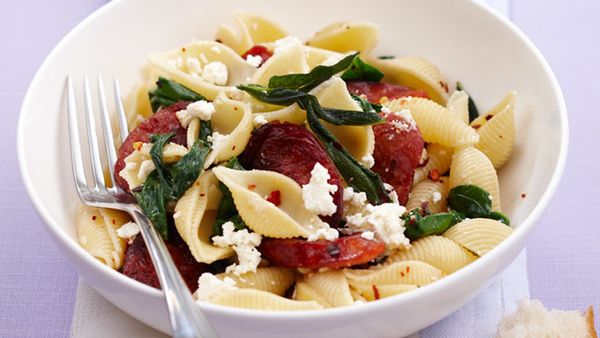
x: 216, y: 139
x: 283, y: 44
x: 201, y: 109
x: 356, y: 199
x: 216, y: 49
x: 385, y: 110
x: 193, y: 66
x: 211, y: 287
x: 244, y: 244
x: 317, y: 192
x: 254, y: 60
x: 215, y: 73
x: 259, y: 120
x: 393, y: 195
x: 370, y: 235
x: 407, y: 117
x: 385, y: 220
x: 325, y: 233
x: 128, y: 230
x: 424, y: 157
x: 368, y: 161
x: 436, y: 197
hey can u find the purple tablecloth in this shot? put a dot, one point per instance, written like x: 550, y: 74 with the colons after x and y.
x: 37, y: 285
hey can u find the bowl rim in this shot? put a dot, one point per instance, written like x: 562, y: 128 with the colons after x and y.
x: 524, y: 228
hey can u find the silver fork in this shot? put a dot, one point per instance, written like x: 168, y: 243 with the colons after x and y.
x: 185, y: 316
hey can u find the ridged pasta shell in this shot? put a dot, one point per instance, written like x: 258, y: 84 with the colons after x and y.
x: 303, y: 292
x: 375, y: 292
x: 174, y: 65
x: 436, y: 123
x: 496, y: 130
x: 458, y: 105
x: 250, y: 190
x: 233, y: 119
x: 424, y: 192
x: 270, y: 279
x: 437, y: 251
x: 332, y: 286
x: 403, y: 272
x: 262, y: 300
x: 253, y: 29
x: 358, y: 140
x: 136, y: 170
x: 347, y: 36
x: 479, y: 235
x: 414, y: 72
x: 440, y: 158
x: 318, y: 56
x: 471, y: 166
x: 97, y: 232
x: 194, y: 217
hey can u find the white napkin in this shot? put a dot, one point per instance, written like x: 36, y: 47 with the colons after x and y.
x: 96, y: 317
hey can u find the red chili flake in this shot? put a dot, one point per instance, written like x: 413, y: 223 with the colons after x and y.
x: 113, y: 221
x: 218, y: 40
x: 488, y: 117
x: 434, y: 175
x: 251, y: 186
x: 476, y: 126
x: 376, y: 292
x: 500, y: 136
x: 523, y: 195
x: 401, y: 273
x: 233, y: 148
x: 444, y: 86
x: 407, y: 269
x: 94, y: 218
x: 183, y: 49
x: 202, y: 194
x: 275, y: 197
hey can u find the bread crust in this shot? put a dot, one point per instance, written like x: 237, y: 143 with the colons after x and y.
x: 589, y: 317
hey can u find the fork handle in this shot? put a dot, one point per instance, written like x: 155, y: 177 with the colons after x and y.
x: 187, y: 321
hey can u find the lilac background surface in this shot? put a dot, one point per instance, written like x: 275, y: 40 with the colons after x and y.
x: 38, y: 286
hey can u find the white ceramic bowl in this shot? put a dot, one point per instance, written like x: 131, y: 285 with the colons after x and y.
x: 467, y: 41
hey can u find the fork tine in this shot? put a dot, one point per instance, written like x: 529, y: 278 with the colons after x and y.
x: 121, y: 117
x: 108, y: 134
x: 93, y: 139
x: 74, y: 141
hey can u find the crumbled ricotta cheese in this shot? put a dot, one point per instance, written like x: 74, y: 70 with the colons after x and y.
x: 356, y: 199
x: 370, y: 235
x: 436, y: 197
x: 254, y: 60
x: 368, y: 161
x: 424, y: 157
x: 216, y: 49
x: 325, y: 233
x: 317, y: 192
x: 201, y: 109
x: 283, y: 44
x: 211, y: 287
x: 216, y: 139
x: 388, y: 187
x: 193, y: 66
x: 387, y: 224
x: 244, y: 244
x: 355, y: 221
x: 215, y: 73
x: 409, y: 122
x: 259, y: 120
x: 393, y: 195
x: 385, y: 110
x: 128, y: 230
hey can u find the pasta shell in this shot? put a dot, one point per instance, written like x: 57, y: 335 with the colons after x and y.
x: 479, y: 235
x: 262, y: 300
x: 347, y: 36
x: 384, y: 291
x: 437, y: 251
x: 318, y: 56
x: 436, y: 123
x: 496, y: 130
x: 331, y: 286
x: 234, y: 120
x: 250, y: 190
x: 177, y: 66
x: 193, y: 132
x: 458, y: 105
x: 270, y: 279
x: 194, y: 221
x: 471, y: 166
x: 402, y: 272
x: 304, y: 292
x: 97, y: 232
x: 414, y: 72
x: 253, y: 29
x: 439, y: 158
x: 430, y: 192
x: 291, y: 60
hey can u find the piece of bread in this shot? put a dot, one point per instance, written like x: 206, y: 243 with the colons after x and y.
x: 532, y: 320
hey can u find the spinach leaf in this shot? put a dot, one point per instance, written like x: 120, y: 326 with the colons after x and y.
x: 168, y: 92
x: 227, y: 212
x: 359, y: 70
x: 473, y: 111
x: 278, y: 96
x: 156, y: 153
x: 205, y: 131
x: 152, y: 201
x: 318, y: 75
x: 185, y: 172
x: 367, y: 106
x: 470, y: 200
x: 386, y: 57
x: 341, y: 117
x: 500, y: 217
x: 436, y: 224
